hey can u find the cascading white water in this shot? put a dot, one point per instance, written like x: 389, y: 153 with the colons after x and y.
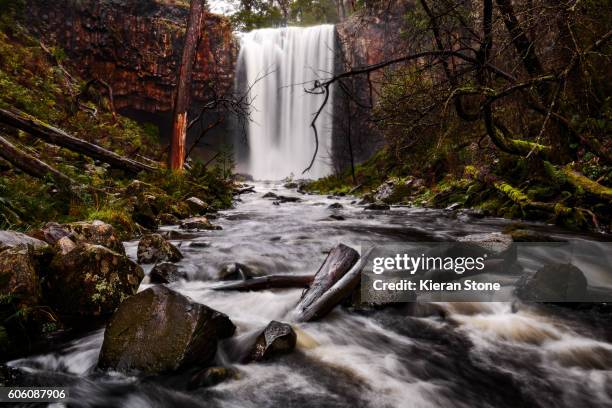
x: 278, y: 64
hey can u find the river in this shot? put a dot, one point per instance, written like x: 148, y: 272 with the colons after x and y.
x: 481, y: 354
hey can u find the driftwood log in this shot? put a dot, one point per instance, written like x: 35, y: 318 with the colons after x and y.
x: 58, y: 137
x: 339, y: 261
x: 269, y: 282
x: 341, y: 290
x: 31, y: 165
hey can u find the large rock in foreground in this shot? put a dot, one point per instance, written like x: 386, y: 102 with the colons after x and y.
x: 91, y: 280
x: 154, y: 248
x: 160, y: 330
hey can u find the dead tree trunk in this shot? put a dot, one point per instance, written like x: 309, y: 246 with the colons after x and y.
x: 336, y: 294
x: 269, y: 282
x: 181, y: 102
x: 337, y: 263
x: 31, y: 165
x: 60, y: 138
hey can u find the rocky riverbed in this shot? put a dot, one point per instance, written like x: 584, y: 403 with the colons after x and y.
x: 457, y: 354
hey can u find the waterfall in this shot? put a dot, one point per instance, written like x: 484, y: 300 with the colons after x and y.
x: 278, y: 64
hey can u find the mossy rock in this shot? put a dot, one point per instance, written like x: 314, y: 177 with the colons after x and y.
x: 18, y: 275
x: 91, y: 280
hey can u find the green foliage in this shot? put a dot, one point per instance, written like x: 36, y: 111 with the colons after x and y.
x: 254, y: 14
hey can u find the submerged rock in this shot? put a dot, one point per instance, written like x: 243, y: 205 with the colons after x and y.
x: 18, y: 276
x: 12, y: 239
x: 553, y: 283
x: 276, y: 339
x: 166, y: 272
x: 198, y: 223
x: 236, y: 271
x: 378, y: 205
x: 160, y: 330
x: 335, y: 206
x: 154, y: 248
x: 212, y: 376
x: 91, y: 280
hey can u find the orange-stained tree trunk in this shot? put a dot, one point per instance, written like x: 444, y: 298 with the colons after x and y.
x: 181, y: 101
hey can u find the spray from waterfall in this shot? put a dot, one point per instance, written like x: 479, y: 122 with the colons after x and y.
x: 277, y: 65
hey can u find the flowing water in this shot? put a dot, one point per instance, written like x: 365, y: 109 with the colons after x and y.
x: 479, y: 355
x: 277, y: 65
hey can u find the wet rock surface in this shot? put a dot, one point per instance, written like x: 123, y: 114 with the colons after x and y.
x: 160, y: 330
x: 276, y: 339
x: 154, y: 248
x: 166, y: 272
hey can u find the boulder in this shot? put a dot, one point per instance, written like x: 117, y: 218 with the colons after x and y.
x: 154, y: 248
x: 235, y: 271
x: 378, y: 205
x: 212, y: 376
x: 197, y: 206
x: 18, y: 277
x: 335, y: 206
x: 92, y: 232
x: 276, y: 339
x: 91, y: 280
x: 11, y: 239
x: 493, y: 244
x: 159, y: 330
x: 166, y: 272
x: 64, y: 245
x: 198, y: 223
x: 51, y: 233
x: 553, y: 283
x: 337, y: 217
x: 144, y: 214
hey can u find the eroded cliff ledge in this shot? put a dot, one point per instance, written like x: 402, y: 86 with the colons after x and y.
x: 135, y: 46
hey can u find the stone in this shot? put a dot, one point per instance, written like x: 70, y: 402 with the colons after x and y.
x: 335, y: 206
x: 378, y: 205
x: 197, y: 206
x: 198, y: 223
x: 64, y: 245
x: 394, y: 190
x: 96, y: 233
x: 493, y: 244
x: 269, y: 195
x: 154, y: 248
x: 166, y: 272
x: 159, y: 330
x: 337, y: 217
x: 91, y: 280
x: 235, y: 271
x: 168, y: 219
x: 554, y: 283
x: 276, y: 339
x: 12, y: 239
x: 18, y: 276
x: 212, y: 376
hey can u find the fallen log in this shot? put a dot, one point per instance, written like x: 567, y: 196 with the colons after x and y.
x: 31, y: 165
x: 336, y: 294
x: 269, y: 282
x: 58, y: 137
x: 336, y: 265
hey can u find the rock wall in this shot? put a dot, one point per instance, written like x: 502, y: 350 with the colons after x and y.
x: 367, y: 37
x: 135, y: 46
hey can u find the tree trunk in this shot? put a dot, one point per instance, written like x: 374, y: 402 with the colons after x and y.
x: 336, y: 265
x: 58, y: 137
x: 31, y: 165
x: 181, y: 102
x: 336, y: 294
x: 269, y: 282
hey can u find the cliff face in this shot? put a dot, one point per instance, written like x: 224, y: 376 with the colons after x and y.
x: 135, y: 46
